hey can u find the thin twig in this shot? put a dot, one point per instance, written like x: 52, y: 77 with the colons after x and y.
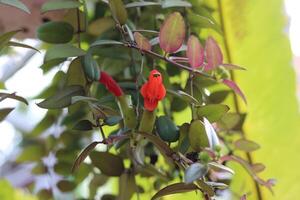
x: 78, y: 27
x: 227, y: 50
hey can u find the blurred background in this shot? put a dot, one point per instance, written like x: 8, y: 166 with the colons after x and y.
x: 265, y: 38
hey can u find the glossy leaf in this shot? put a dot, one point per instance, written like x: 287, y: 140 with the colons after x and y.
x: 83, y: 155
x: 246, y: 145
x: 118, y: 10
x: 83, y: 125
x: 172, y: 33
x: 195, y: 52
x: 211, y: 134
x: 213, y: 54
x: 55, y: 32
x: 235, y: 88
x: 218, y: 167
x: 175, y: 3
x: 194, y: 172
x: 112, y: 120
x: 109, y: 164
x: 174, y: 189
x: 4, y: 112
x: 197, y: 136
x: 62, y: 98
x: 213, y: 112
x: 142, y: 42
x: 17, y: 4
x: 63, y: 51
x: 166, y: 129
x: 59, y: 5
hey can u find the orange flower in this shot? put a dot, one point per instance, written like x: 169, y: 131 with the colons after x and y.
x: 153, y: 91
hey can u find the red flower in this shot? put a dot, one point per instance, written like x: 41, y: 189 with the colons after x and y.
x: 153, y: 91
x: 110, y: 84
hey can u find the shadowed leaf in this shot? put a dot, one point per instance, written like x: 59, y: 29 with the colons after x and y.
x: 118, y: 11
x: 174, y: 189
x: 4, y: 112
x: 194, y: 172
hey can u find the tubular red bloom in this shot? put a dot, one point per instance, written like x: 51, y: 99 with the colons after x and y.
x: 110, y: 84
x: 153, y: 91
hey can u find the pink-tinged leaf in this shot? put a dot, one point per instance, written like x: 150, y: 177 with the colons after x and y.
x: 172, y: 33
x: 213, y: 54
x: 258, y: 167
x: 195, y: 52
x: 244, y: 197
x: 235, y: 88
x: 142, y: 42
x: 232, y: 67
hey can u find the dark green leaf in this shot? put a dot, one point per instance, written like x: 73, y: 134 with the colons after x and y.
x: 83, y: 125
x: 62, y: 98
x: 17, y: 4
x: 97, y: 181
x: 66, y: 186
x: 174, y: 189
x: 91, y: 67
x: 166, y: 129
x: 58, y: 5
x: 83, y: 155
x: 4, y: 112
x: 75, y: 73
x: 194, y: 172
x: 63, y: 168
x: 63, y: 51
x: 246, y: 145
x: 12, y: 96
x: 213, y: 112
x: 17, y: 44
x: 55, y: 32
x: 109, y: 164
x: 32, y: 153
x: 48, y: 65
x: 219, y: 96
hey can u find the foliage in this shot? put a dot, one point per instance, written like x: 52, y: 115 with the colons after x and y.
x: 105, y: 90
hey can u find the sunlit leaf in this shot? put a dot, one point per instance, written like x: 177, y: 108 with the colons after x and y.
x: 197, y: 136
x: 195, y: 52
x: 58, y: 5
x: 172, y: 33
x: 175, y: 3
x: 211, y: 134
x: 213, y: 112
x: 142, y: 42
x: 246, y: 145
x: 213, y: 54
x: 218, y: 167
x: 17, y: 4
x: 174, y: 189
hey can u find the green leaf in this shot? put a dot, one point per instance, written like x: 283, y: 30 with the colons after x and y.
x: 62, y: 98
x: 109, y: 164
x: 218, y: 96
x: 213, y: 112
x: 75, y: 73
x: 6, y: 37
x: 63, y: 168
x: 39, y: 169
x: 142, y: 4
x: 105, y: 42
x: 12, y: 96
x: 17, y: 44
x: 166, y: 129
x: 246, y: 145
x: 175, y: 3
x: 258, y: 167
x: 63, y: 51
x: 34, y: 152
x: 4, y: 112
x: 218, y: 167
x: 17, y: 4
x: 66, y: 186
x: 100, y: 26
x: 83, y: 125
x: 59, y: 4
x: 91, y: 67
x: 118, y: 11
x: 184, y: 143
x: 97, y: 181
x: 174, y: 189
x: 194, y: 172
x: 172, y: 33
x: 142, y: 42
x: 197, y: 136
x: 127, y: 186
x: 55, y: 32
x: 199, y: 21
x: 184, y: 96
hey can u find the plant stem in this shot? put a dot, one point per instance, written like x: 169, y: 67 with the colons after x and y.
x: 78, y: 27
x: 235, y: 99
